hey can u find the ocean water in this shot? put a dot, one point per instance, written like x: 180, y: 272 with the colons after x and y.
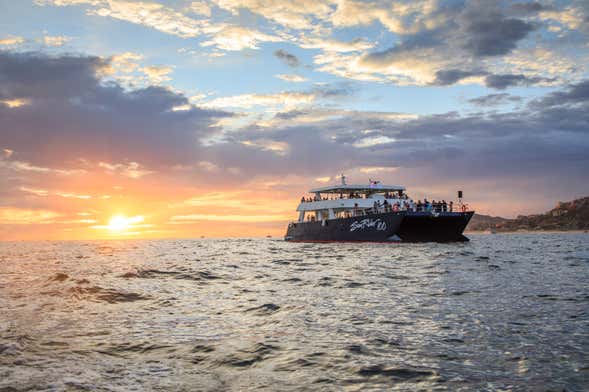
x: 503, y: 312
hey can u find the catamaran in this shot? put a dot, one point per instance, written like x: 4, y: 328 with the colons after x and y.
x: 376, y: 213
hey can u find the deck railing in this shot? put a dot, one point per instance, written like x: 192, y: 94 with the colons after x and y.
x: 388, y: 208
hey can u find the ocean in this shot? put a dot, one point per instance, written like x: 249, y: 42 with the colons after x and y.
x: 502, y: 312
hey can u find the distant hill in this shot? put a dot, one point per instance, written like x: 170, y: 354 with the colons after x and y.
x: 572, y: 215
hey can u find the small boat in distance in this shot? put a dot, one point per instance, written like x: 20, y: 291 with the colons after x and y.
x: 376, y: 213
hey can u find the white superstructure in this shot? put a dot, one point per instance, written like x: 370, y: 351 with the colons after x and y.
x: 344, y: 200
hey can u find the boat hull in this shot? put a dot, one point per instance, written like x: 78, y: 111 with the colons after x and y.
x: 386, y: 227
x: 369, y: 228
x: 434, y: 227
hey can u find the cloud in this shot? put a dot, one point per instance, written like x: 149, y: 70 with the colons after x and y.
x: 125, y: 62
x: 497, y: 81
x: 45, y: 193
x: 571, y: 17
x: 450, y: 76
x: 399, y: 17
x: 506, y: 149
x: 22, y: 216
x: 235, y: 38
x: 529, y: 8
x: 447, y: 42
x: 292, y: 14
x: 377, y: 169
x: 152, y: 15
x: 149, y: 14
x: 291, y: 78
x: 501, y: 82
x: 575, y: 94
x: 187, y: 219
x: 157, y: 74
x: 287, y: 99
x: 21, y: 166
x: 289, y: 59
x: 74, y: 113
x: 489, y: 32
x: 64, y: 3
x: 11, y: 41
x: 131, y: 169
x: 200, y: 8
x: 333, y: 45
x: 15, y: 102
x: 372, y: 141
x: 55, y: 40
x: 431, y: 37
x: 120, y: 128
x: 495, y: 99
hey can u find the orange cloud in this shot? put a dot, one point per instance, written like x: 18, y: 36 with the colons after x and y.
x: 21, y: 216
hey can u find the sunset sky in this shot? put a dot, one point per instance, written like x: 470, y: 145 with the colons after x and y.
x: 148, y: 119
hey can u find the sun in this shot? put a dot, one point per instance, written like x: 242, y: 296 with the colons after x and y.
x: 120, y: 223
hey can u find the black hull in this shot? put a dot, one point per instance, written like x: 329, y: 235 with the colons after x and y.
x: 386, y: 227
x: 376, y: 227
x: 440, y: 227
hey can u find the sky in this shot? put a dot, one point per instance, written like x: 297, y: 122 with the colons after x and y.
x: 175, y: 119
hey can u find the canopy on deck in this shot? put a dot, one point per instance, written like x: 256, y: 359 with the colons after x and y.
x: 371, y: 188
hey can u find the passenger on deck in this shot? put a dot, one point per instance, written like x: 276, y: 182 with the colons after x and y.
x: 386, y: 206
x: 451, y: 206
x: 419, y: 205
x: 444, y: 206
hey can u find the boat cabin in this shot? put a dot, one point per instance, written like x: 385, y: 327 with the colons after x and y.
x: 346, y: 200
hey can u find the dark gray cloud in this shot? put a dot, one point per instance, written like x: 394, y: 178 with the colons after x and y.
x: 503, y: 81
x: 74, y: 114
x: 451, y: 76
x: 495, y: 99
x: 572, y: 95
x: 336, y: 90
x: 410, y: 43
x: 497, y: 81
x: 472, y: 31
x: 99, y: 121
x: 41, y: 76
x: 489, y: 32
x: 529, y: 8
x: 289, y: 59
x: 529, y: 148
x: 290, y: 114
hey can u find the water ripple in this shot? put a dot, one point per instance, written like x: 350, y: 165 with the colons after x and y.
x: 503, y: 312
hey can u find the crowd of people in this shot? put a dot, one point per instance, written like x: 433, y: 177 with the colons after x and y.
x: 399, y: 202
x: 352, y: 195
x: 410, y: 205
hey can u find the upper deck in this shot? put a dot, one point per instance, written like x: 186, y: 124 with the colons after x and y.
x: 341, y: 197
x: 361, y: 189
x: 343, y: 200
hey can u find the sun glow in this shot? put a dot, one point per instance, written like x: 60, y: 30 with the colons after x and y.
x: 120, y: 223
